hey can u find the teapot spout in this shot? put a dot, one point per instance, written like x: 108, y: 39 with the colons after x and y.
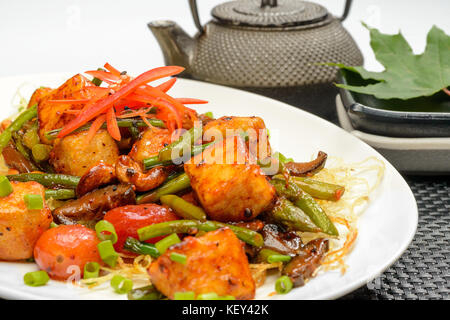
x: 177, y: 46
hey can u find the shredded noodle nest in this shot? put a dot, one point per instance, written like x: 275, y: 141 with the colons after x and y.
x: 136, y: 270
x: 360, y: 180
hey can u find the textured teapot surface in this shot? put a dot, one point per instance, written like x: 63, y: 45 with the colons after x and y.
x: 251, y: 57
x: 254, y: 43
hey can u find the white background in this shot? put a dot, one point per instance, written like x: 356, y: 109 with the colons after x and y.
x: 76, y: 35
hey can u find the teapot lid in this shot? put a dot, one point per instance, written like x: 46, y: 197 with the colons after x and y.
x: 269, y: 13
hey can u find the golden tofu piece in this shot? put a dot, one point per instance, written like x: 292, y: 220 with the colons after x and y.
x: 254, y: 127
x: 20, y: 228
x: 72, y: 155
x: 228, y: 183
x: 51, y: 115
x: 152, y: 140
x: 39, y: 95
x: 216, y: 262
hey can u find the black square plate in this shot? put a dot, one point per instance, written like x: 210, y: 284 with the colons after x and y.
x: 419, y: 117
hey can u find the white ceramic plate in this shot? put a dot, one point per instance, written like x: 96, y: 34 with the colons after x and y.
x: 385, y: 229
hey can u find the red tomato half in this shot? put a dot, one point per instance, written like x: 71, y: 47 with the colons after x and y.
x: 128, y: 219
x: 60, y: 249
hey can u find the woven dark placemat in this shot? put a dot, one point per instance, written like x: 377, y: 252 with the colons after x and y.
x: 422, y: 272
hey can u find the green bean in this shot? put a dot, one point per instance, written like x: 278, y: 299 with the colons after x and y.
x: 176, y: 148
x: 17, y: 140
x: 196, y: 149
x: 293, y: 218
x: 60, y: 194
x: 175, y: 185
x: 41, y: 152
x: 183, y: 208
x: 151, y: 162
x: 264, y: 254
x: 123, y: 123
x: 138, y: 247
x: 317, y: 189
x: 134, y: 131
x: 145, y: 293
x: 188, y: 226
x: 155, y: 161
x: 47, y: 179
x: 307, y: 203
x: 25, y: 116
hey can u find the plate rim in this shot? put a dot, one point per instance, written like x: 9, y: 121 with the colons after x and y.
x: 14, y: 293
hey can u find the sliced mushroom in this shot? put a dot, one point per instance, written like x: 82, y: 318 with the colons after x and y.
x: 302, y: 266
x: 15, y: 160
x: 91, y: 207
x: 99, y: 175
x: 307, y: 168
x: 278, y: 240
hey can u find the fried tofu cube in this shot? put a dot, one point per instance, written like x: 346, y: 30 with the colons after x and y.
x: 254, y: 127
x: 216, y: 262
x: 51, y: 115
x: 228, y: 183
x: 39, y: 95
x: 20, y: 228
x: 151, y: 142
x: 72, y: 155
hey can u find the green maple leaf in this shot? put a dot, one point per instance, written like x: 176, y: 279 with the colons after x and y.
x: 406, y: 75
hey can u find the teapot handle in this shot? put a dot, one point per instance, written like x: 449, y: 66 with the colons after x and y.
x: 348, y: 4
x: 194, y: 12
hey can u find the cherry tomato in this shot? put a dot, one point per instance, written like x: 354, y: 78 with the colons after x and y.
x: 63, y: 251
x: 128, y: 219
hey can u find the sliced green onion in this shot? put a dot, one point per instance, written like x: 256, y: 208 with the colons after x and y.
x: 36, y: 278
x: 145, y: 293
x: 31, y: 137
x: 283, y: 285
x: 244, y: 135
x: 107, y: 253
x: 227, y: 298
x: 53, y: 225
x: 91, y: 270
x: 163, y: 244
x: 41, y: 152
x: 96, y: 81
x: 5, y: 187
x: 209, y: 114
x: 281, y: 157
x: 208, y: 296
x: 278, y: 258
x: 106, y: 231
x: 121, y: 285
x: 187, y: 295
x: 34, y: 201
x: 178, y: 257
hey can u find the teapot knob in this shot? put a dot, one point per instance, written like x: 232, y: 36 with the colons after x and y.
x: 271, y: 3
